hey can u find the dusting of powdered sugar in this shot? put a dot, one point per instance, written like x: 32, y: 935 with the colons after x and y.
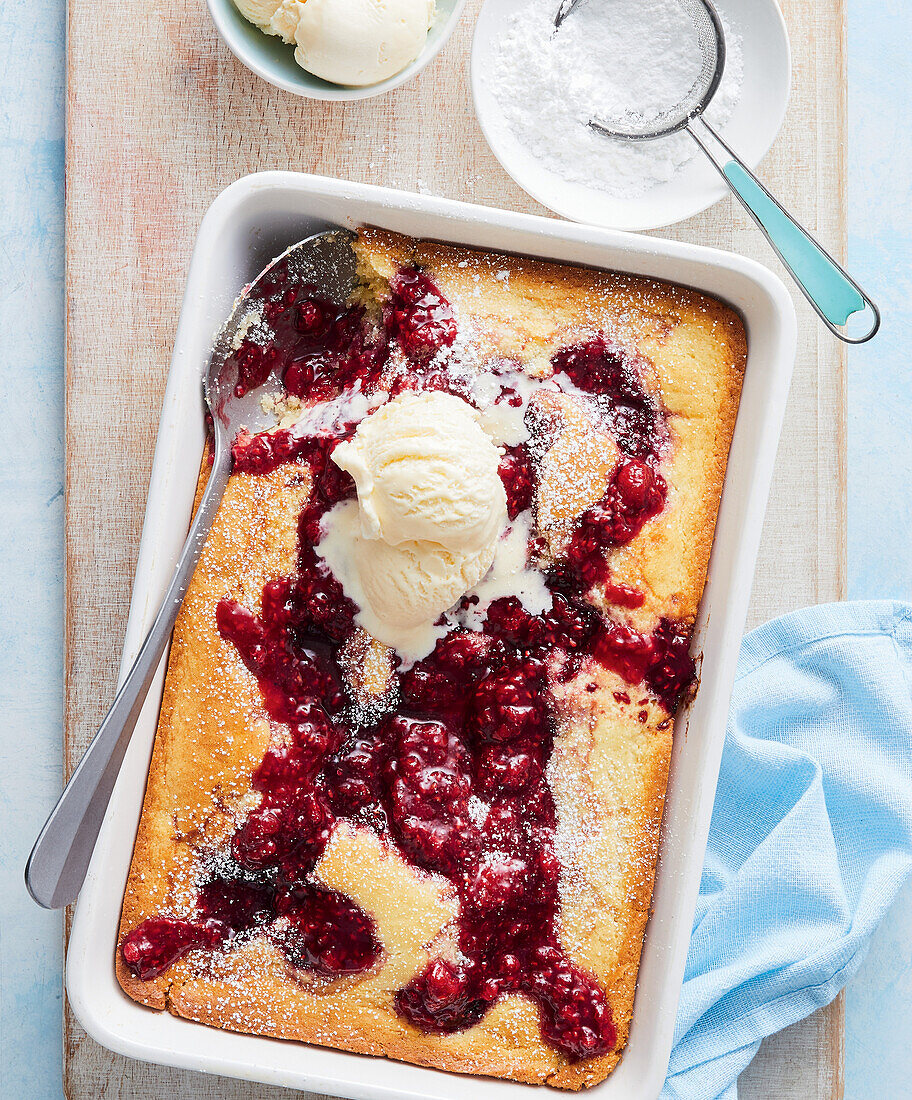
x: 609, y: 58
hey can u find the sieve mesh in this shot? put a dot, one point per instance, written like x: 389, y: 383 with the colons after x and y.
x: 638, y: 126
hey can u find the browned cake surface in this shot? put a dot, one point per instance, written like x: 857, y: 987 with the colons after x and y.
x: 610, y: 758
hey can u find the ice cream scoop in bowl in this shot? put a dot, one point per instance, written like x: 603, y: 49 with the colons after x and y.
x: 353, y: 49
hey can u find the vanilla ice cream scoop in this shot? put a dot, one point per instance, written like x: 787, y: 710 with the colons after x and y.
x: 430, y: 512
x: 426, y: 471
x: 355, y: 42
x: 402, y: 590
x: 410, y: 585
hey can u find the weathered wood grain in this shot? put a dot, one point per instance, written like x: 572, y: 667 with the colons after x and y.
x: 160, y: 118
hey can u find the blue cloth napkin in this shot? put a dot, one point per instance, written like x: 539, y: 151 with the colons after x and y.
x: 811, y: 834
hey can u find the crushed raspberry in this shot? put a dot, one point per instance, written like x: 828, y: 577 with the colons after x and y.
x: 570, y: 625
x: 567, y: 626
x: 316, y: 347
x: 324, y: 607
x: 625, y: 652
x: 622, y: 595
x: 509, y: 621
x: 332, y: 355
x: 673, y: 672
x: 417, y: 316
x: 463, y: 651
x: 312, y: 317
x: 543, y: 422
x: 245, y: 631
x: 331, y: 483
x: 661, y: 660
x: 324, y: 932
x: 355, y: 774
x: 255, y: 363
x: 286, y: 670
x: 575, y: 1013
x: 260, y: 454
x: 333, y: 352
x: 159, y: 942
x: 442, y: 999
x: 429, y: 783
x: 518, y: 476
x: 634, y: 417
x: 297, y: 823
x: 237, y: 904
x: 511, y: 703
x: 636, y: 494
x: 427, y: 688
x: 274, y: 307
x: 441, y: 683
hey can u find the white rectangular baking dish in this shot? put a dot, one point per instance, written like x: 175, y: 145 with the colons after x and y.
x: 251, y: 221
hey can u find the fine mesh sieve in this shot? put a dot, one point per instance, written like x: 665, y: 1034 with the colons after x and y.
x: 642, y: 127
x: 832, y: 292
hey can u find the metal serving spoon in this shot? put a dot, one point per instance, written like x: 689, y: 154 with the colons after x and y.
x: 60, y: 858
x: 834, y: 294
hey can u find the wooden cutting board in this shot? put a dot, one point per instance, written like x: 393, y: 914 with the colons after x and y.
x: 161, y: 117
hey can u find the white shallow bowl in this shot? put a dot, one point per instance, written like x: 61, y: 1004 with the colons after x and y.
x: 273, y: 59
x: 751, y: 130
x: 248, y: 224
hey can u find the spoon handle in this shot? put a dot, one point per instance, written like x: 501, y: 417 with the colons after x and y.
x: 830, y: 289
x: 60, y: 858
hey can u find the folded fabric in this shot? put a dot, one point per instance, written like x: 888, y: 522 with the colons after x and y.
x: 811, y: 834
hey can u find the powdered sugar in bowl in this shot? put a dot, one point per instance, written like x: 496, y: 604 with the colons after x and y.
x: 535, y: 90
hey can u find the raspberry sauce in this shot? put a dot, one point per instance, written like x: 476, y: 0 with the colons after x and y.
x: 453, y: 773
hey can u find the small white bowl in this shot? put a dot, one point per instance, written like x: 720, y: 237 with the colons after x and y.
x: 273, y: 59
x: 750, y: 131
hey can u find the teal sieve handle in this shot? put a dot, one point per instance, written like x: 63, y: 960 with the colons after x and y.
x: 820, y: 276
x: 832, y: 292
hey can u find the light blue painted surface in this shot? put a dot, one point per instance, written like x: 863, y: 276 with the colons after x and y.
x: 31, y: 514
x: 879, y: 999
x: 879, y: 1020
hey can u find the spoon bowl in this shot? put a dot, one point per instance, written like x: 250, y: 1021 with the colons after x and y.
x: 324, y: 262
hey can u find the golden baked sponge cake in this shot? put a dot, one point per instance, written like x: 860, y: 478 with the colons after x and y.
x: 407, y: 787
